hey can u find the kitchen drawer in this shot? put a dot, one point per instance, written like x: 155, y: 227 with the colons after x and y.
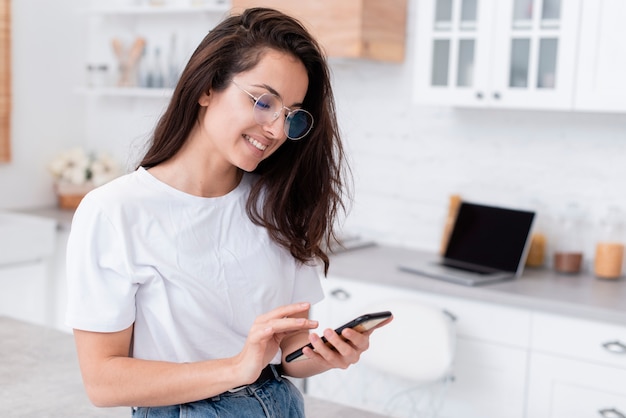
x: 581, y: 339
x: 474, y: 320
x: 567, y: 388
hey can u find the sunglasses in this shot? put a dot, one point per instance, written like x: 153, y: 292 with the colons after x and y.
x: 268, y: 107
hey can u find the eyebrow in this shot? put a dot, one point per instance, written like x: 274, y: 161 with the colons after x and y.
x: 274, y: 92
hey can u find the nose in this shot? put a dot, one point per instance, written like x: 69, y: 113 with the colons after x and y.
x: 276, y: 128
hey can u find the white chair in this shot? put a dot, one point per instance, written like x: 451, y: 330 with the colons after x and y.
x: 413, y: 355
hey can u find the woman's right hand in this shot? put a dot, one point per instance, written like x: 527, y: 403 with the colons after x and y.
x: 266, y: 334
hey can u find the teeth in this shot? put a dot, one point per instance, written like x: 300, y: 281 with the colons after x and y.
x: 256, y: 143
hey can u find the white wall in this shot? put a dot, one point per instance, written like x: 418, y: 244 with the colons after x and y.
x: 406, y: 159
x: 47, y: 116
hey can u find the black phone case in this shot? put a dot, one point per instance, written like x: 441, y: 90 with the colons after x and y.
x: 359, y: 324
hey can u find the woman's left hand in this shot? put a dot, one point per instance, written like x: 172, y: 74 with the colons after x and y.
x: 341, y: 350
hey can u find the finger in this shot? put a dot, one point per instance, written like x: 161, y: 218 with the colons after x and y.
x: 358, y: 340
x: 327, y: 353
x: 339, y: 343
x: 288, y: 325
x: 284, y: 311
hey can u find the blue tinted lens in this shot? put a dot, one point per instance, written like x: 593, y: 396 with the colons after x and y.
x: 297, y: 124
x: 264, y: 102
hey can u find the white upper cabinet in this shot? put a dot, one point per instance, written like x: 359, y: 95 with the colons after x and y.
x: 602, y: 57
x: 497, y: 53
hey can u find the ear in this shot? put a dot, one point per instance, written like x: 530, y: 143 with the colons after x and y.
x: 204, y: 99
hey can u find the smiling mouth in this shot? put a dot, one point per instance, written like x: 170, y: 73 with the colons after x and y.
x: 256, y: 143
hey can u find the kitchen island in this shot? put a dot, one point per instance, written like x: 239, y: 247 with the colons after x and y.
x: 39, y: 377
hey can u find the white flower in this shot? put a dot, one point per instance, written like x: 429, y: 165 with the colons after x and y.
x: 104, y: 169
x: 78, y: 168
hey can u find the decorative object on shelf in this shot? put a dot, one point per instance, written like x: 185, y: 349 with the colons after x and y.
x: 128, y: 58
x: 76, y: 173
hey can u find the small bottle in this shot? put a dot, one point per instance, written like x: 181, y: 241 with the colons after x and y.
x: 143, y: 70
x: 609, y: 252
x: 157, y: 72
x: 173, y: 65
x: 97, y: 75
x: 568, y: 252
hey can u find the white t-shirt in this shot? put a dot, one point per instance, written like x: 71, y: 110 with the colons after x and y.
x: 191, y: 273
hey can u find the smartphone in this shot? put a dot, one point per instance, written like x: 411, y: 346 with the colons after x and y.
x: 360, y: 324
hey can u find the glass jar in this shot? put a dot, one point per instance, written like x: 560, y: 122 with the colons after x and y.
x: 609, y: 253
x: 569, y: 245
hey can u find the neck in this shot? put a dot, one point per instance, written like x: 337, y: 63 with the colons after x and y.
x: 198, y: 179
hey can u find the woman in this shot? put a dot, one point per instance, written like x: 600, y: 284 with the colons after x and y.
x: 191, y: 278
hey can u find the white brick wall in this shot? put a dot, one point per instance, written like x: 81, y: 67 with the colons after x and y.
x: 408, y: 159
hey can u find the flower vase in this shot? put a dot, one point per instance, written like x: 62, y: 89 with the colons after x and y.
x: 70, y: 195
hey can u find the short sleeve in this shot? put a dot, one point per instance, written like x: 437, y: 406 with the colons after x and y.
x: 307, y: 287
x: 101, y: 293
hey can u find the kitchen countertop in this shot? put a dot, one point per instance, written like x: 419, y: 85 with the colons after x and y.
x: 582, y: 296
x: 39, y: 377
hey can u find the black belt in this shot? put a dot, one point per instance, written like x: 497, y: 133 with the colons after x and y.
x: 270, y: 372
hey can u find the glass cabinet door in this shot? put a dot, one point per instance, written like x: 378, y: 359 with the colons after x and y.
x: 453, y: 37
x: 453, y: 43
x: 534, y: 29
x: 534, y: 52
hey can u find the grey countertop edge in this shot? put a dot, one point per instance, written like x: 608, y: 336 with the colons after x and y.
x: 539, y: 290
x: 62, y: 216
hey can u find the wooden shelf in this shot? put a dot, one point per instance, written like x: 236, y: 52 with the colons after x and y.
x: 136, y: 92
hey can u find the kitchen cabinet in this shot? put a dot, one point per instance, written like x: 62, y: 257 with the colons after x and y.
x: 26, y: 248
x: 490, y: 364
x: 371, y: 29
x: 577, y: 369
x: 602, y: 58
x: 497, y: 53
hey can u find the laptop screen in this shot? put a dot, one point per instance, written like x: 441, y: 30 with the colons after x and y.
x: 489, y: 236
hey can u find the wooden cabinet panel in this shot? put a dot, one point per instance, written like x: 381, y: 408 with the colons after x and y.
x: 5, y: 80
x: 370, y: 29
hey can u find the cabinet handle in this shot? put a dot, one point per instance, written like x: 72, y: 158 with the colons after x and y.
x: 616, y: 347
x: 611, y: 413
x: 340, y: 294
x: 479, y: 95
x: 450, y: 315
x: 496, y: 95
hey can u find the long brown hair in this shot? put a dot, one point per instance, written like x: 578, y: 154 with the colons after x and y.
x: 301, y: 187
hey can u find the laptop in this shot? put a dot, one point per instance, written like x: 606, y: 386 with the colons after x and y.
x: 487, y: 244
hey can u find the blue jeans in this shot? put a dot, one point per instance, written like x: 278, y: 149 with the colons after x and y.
x: 275, y: 398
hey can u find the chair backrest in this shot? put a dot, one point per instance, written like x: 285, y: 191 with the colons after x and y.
x: 417, y: 345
